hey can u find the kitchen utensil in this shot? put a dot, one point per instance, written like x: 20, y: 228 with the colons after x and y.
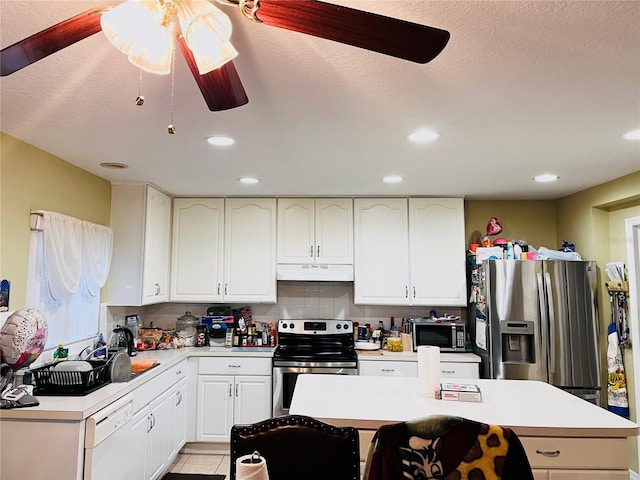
x: 367, y: 345
x: 139, y: 366
x: 120, y: 368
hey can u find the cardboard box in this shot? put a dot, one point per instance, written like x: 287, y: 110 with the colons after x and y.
x: 461, y: 392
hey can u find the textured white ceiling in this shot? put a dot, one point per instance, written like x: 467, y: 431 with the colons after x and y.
x: 522, y: 88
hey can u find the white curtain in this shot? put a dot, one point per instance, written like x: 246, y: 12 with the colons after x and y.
x: 68, y: 265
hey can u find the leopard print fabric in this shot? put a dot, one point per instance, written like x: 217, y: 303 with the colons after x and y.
x: 484, y: 461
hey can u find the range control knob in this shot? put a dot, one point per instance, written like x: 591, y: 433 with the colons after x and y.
x: 346, y: 326
x: 291, y: 326
x: 284, y: 325
x: 338, y: 326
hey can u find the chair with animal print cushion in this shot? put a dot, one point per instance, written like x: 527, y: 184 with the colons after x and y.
x: 446, y: 448
x: 297, y: 447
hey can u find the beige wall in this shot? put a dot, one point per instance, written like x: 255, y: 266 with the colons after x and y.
x: 32, y: 179
x: 533, y: 221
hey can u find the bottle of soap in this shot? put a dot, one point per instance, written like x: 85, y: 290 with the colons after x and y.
x: 61, y: 353
x: 509, y: 251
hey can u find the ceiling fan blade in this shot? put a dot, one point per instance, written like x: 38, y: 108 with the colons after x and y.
x: 25, y: 52
x: 221, y: 88
x: 390, y: 36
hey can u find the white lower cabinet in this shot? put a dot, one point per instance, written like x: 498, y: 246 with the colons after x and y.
x: 563, y: 458
x: 158, y: 428
x: 231, y: 391
x: 391, y: 368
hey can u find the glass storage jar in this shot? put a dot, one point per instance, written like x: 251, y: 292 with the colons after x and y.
x: 186, y: 327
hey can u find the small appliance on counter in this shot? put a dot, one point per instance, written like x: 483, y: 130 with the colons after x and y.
x: 186, y: 327
x: 122, y: 340
x: 218, y: 326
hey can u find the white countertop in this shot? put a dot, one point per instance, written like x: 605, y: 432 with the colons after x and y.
x: 529, y: 407
x: 72, y: 408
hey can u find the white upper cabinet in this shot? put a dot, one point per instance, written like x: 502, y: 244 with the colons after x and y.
x: 250, y: 250
x: 141, y: 223
x: 381, y: 251
x: 314, y: 231
x: 410, y: 251
x: 437, y: 252
x: 197, y: 258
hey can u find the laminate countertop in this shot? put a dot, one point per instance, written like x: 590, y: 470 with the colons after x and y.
x: 77, y: 408
x: 529, y: 407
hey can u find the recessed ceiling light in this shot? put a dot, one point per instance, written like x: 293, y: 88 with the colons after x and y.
x: 220, y: 141
x: 546, y: 178
x: 392, y: 179
x: 114, y: 166
x: 423, y: 135
x: 248, y: 180
x: 632, y: 135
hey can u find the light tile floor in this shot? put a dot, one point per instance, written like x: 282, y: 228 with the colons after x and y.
x: 201, y: 463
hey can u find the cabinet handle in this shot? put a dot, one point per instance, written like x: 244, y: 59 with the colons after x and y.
x: 179, y: 372
x: 218, y: 289
x: 152, y: 422
x: 225, y: 288
x: 157, y: 289
x: 149, y: 424
x: 179, y: 398
x: 388, y: 370
x: 235, y: 366
x: 447, y: 371
x: 318, y: 254
x: 230, y: 392
x: 406, y: 292
x: 549, y: 453
x: 236, y: 389
x: 414, y: 291
x: 311, y: 251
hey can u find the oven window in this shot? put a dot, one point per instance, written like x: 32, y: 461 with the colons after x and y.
x: 436, y: 336
x: 288, y: 385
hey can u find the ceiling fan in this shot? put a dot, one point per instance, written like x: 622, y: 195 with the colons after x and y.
x: 222, y: 88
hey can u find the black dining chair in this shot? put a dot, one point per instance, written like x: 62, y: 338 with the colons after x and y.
x: 298, y: 447
x: 442, y: 446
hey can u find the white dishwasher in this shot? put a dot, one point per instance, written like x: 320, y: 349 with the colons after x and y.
x: 106, y: 447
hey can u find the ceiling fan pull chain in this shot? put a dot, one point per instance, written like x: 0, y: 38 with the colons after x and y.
x: 171, y: 128
x: 140, y: 97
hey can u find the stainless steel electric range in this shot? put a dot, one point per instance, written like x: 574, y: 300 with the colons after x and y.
x: 310, y: 346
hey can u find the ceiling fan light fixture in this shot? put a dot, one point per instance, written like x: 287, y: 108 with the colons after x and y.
x: 207, y: 31
x: 249, y: 180
x: 392, y: 179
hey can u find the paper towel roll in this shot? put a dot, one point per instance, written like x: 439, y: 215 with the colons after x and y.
x: 251, y: 467
x: 428, y: 370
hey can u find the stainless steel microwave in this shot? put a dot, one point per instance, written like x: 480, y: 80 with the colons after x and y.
x: 449, y: 335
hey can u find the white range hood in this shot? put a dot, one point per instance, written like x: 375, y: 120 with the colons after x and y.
x: 315, y: 273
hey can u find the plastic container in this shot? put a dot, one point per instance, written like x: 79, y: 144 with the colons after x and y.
x: 186, y: 327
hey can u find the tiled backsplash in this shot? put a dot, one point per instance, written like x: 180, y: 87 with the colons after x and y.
x: 295, y: 300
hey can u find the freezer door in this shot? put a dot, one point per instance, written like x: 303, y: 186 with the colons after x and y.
x: 517, y: 327
x: 574, y: 361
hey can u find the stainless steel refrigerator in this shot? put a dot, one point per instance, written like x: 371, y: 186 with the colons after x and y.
x: 537, y: 320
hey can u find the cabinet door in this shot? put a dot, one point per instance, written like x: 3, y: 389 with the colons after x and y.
x: 160, y: 413
x: 334, y: 231
x: 138, y: 457
x: 214, y: 408
x: 296, y: 230
x: 381, y: 251
x: 388, y: 369
x: 437, y: 251
x: 250, y: 250
x: 459, y: 370
x: 252, y: 399
x: 155, y: 277
x: 197, y: 249
x: 178, y: 429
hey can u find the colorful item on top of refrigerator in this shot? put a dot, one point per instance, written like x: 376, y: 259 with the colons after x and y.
x: 494, y: 227
x: 23, y: 337
x: 616, y: 383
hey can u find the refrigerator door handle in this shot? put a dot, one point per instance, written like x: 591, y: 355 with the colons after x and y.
x: 552, y: 343
x: 544, y: 319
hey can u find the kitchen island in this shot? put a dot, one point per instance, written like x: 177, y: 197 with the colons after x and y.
x: 564, y: 436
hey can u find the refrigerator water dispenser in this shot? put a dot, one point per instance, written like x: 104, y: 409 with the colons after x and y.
x: 517, y: 341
